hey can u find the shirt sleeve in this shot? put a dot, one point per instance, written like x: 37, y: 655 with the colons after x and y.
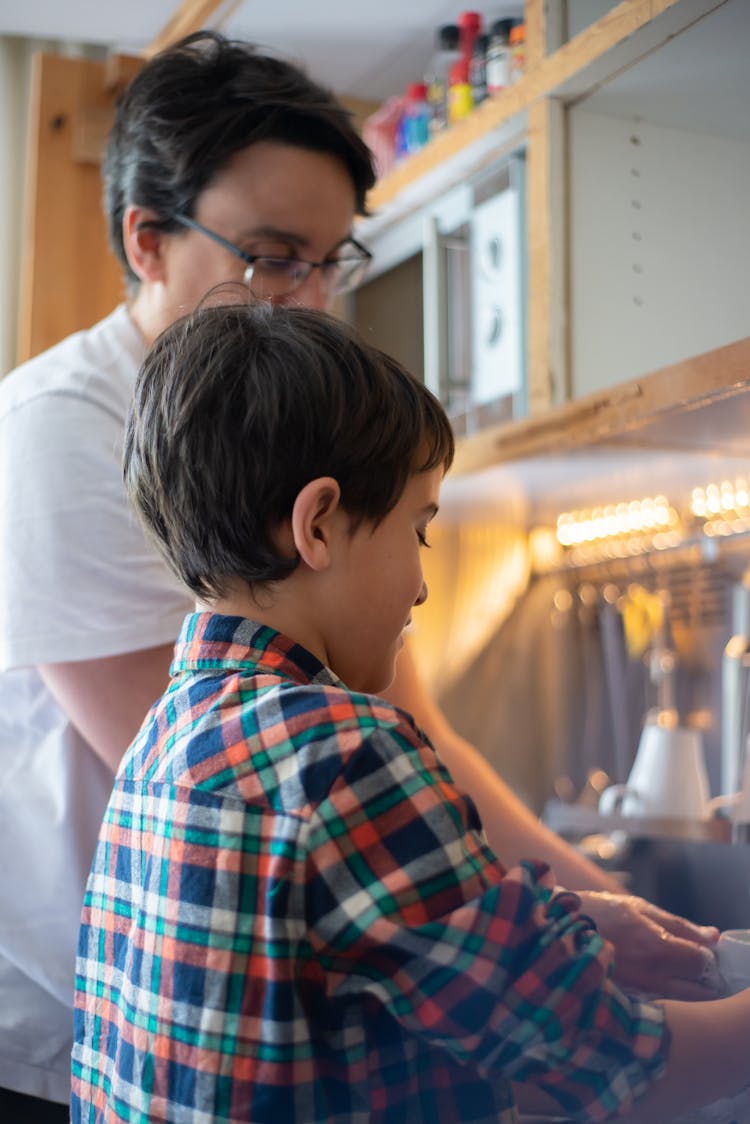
x: 78, y: 578
x: 408, y: 905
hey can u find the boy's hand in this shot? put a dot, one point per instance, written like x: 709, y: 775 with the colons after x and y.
x: 655, y: 951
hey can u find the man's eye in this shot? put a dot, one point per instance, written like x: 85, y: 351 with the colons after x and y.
x: 283, y: 267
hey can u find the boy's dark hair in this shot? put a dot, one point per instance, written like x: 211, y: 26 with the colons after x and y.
x: 238, y: 407
x: 193, y: 106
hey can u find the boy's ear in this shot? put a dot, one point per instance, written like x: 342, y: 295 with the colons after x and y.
x: 316, y: 516
x: 144, y: 244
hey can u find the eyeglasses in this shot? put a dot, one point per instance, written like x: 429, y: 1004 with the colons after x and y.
x: 269, y: 277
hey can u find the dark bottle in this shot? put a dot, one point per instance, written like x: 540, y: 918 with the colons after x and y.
x: 478, y: 69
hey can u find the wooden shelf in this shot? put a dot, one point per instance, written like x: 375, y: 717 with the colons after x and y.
x: 717, y: 382
x: 616, y: 41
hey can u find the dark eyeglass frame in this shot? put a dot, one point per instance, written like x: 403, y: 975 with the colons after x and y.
x: 363, y: 258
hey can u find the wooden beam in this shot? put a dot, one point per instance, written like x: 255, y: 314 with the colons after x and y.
x: 534, y: 18
x: 696, y: 383
x: 546, y: 183
x: 91, y: 127
x: 69, y: 280
x: 191, y: 15
x: 92, y: 123
x: 119, y: 70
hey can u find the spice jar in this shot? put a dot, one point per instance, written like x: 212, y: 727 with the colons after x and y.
x: 517, y: 51
x: 460, y: 102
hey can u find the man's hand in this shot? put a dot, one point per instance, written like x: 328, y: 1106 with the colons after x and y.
x: 655, y: 951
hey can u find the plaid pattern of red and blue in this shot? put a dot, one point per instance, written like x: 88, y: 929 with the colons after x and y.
x: 292, y: 916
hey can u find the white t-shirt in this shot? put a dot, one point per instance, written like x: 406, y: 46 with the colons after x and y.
x: 78, y: 580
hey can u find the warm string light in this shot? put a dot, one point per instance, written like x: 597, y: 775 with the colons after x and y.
x: 724, y: 507
x: 619, y: 530
x: 623, y: 530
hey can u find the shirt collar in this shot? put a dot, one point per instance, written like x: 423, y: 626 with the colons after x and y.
x: 211, y: 642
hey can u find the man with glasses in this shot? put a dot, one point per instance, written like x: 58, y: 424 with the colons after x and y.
x: 224, y: 166
x: 274, y: 278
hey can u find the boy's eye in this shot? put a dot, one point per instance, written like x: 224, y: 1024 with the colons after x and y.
x: 422, y: 536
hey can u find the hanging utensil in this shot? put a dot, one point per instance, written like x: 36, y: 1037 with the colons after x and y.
x: 616, y: 678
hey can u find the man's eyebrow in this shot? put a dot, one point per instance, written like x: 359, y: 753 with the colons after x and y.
x: 273, y: 232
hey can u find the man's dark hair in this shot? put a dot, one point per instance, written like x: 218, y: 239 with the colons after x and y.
x: 238, y: 407
x: 193, y: 106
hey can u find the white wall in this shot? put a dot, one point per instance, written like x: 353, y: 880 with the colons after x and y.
x: 659, y: 246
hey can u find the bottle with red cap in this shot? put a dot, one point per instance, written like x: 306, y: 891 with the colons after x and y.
x: 460, y: 96
x: 415, y: 123
x: 460, y: 99
x: 469, y: 26
x: 478, y: 70
x: 517, y: 51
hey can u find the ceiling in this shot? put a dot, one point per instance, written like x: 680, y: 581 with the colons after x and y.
x: 367, y: 51
x: 699, y: 81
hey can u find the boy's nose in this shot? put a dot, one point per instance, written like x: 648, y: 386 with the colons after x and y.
x: 422, y: 594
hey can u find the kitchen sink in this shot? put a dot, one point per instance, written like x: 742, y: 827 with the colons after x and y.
x: 707, y: 882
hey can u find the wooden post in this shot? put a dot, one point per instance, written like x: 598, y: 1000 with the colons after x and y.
x: 534, y: 16
x: 547, y: 345
x: 69, y: 277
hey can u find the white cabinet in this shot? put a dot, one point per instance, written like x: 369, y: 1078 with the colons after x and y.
x: 446, y: 294
x: 497, y: 296
x: 659, y: 219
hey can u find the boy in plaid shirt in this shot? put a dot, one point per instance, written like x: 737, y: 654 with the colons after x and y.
x: 292, y: 914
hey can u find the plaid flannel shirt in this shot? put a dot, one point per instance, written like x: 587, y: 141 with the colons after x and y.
x: 292, y: 916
